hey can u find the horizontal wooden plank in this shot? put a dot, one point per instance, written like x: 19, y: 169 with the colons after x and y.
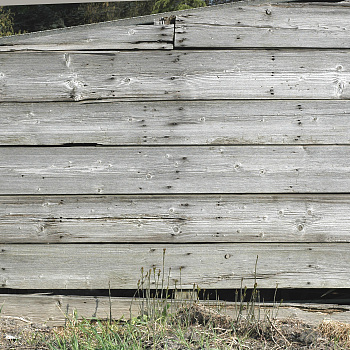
x: 176, y: 122
x: 174, y: 75
x: 266, y: 26
x: 175, y: 219
x: 52, y: 309
x: 92, y: 266
x: 94, y: 38
x: 160, y: 170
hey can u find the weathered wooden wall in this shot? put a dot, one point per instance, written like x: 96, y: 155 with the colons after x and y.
x: 221, y: 137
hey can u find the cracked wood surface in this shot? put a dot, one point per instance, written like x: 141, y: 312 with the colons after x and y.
x: 52, y: 309
x: 93, y: 37
x: 174, y: 75
x: 175, y: 219
x: 266, y: 26
x: 171, y: 170
x: 93, y: 266
x: 175, y: 123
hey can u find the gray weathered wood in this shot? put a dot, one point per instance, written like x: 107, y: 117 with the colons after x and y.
x: 164, y: 75
x: 175, y: 219
x: 52, y: 309
x: 266, y: 26
x: 152, y: 170
x: 84, y: 266
x: 300, y: 239
x: 176, y: 122
x: 94, y: 38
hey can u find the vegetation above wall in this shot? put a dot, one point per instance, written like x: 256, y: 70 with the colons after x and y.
x: 6, y: 22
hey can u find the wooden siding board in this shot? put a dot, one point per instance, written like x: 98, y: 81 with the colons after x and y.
x: 266, y: 26
x: 176, y: 169
x: 176, y: 123
x: 52, y: 309
x: 175, y: 219
x: 91, y: 266
x: 101, y: 38
x: 174, y: 75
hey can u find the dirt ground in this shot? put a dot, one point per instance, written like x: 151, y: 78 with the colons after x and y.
x: 18, y: 333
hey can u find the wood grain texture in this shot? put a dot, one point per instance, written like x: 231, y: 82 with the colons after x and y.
x: 175, y: 219
x: 115, y: 209
x: 91, y: 266
x: 52, y: 309
x: 174, y: 75
x: 175, y: 123
x: 93, y: 38
x: 160, y: 170
x: 266, y: 26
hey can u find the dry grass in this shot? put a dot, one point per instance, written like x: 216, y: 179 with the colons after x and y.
x: 192, y: 326
x: 336, y: 330
x: 163, y: 324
